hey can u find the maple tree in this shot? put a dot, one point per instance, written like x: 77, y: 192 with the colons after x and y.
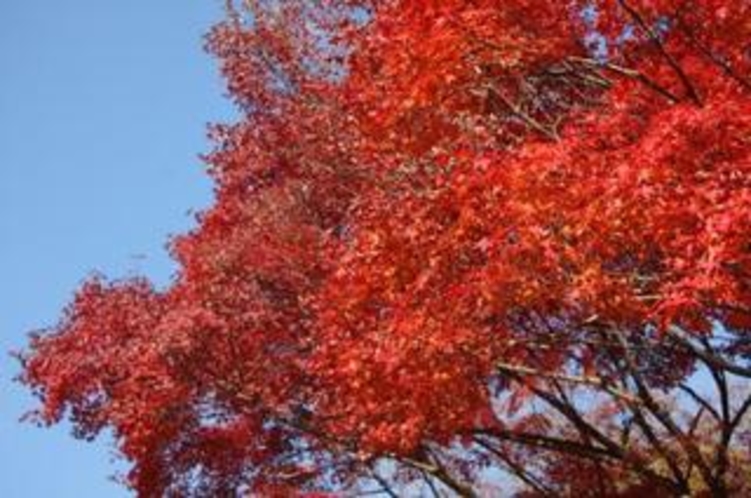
x: 454, y: 244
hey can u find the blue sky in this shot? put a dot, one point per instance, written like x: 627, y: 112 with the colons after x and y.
x: 103, y: 107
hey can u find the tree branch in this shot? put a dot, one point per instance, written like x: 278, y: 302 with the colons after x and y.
x: 690, y: 89
x: 707, y: 357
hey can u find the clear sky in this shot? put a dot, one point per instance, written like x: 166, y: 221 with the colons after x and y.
x: 103, y: 107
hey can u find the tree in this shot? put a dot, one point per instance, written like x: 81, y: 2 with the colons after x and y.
x: 455, y: 244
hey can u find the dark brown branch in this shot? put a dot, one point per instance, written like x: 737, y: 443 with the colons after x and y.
x: 588, y: 431
x: 707, y: 52
x: 585, y: 380
x: 664, y: 417
x: 518, y: 112
x: 516, y: 469
x: 702, y: 402
x: 631, y: 73
x: 742, y: 411
x: 463, y: 489
x: 431, y: 485
x: 642, y: 423
x: 551, y: 443
x: 707, y: 357
x: 437, y: 471
x: 721, y: 451
x: 383, y: 483
x: 685, y: 80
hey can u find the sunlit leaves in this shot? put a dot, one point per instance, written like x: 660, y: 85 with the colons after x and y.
x: 426, y: 211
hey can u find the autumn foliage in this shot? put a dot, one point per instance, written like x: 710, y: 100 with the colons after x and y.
x: 483, y: 247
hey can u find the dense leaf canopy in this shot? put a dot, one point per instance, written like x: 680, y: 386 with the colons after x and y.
x: 450, y: 239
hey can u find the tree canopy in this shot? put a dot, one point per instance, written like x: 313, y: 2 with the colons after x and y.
x: 457, y: 247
